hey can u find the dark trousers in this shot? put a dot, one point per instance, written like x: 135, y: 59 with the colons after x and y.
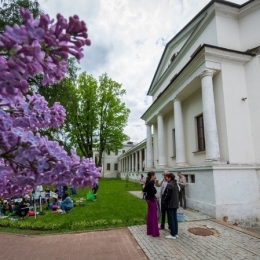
x: 172, y: 221
x: 182, y: 198
x: 163, y: 214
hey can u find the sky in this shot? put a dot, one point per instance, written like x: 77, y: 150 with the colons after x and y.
x: 128, y: 38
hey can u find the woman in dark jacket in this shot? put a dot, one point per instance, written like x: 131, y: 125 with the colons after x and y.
x: 151, y: 219
x: 171, y: 202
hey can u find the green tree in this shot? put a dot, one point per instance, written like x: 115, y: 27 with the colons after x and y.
x: 99, y: 120
x: 64, y: 92
x: 84, y: 120
x: 10, y: 11
x: 112, y: 116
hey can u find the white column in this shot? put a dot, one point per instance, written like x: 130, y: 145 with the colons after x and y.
x: 161, y: 154
x: 140, y: 161
x: 129, y: 163
x: 149, y: 158
x: 145, y: 158
x: 209, y: 116
x: 133, y: 161
x: 136, y: 162
x: 179, y: 133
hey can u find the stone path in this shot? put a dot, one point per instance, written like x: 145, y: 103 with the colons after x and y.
x: 226, y: 243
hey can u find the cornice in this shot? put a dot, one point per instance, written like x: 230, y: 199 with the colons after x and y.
x: 135, y: 148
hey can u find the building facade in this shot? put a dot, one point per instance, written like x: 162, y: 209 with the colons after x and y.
x: 204, y: 120
x: 110, y: 161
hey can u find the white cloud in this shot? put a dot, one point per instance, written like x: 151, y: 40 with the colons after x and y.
x: 128, y: 38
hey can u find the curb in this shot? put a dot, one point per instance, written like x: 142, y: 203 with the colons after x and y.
x: 236, y: 228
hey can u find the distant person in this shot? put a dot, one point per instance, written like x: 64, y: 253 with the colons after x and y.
x: 6, y: 206
x: 95, y: 189
x: 73, y: 190
x: 142, y: 182
x: 171, y: 203
x: 182, y: 183
x: 151, y: 219
x: 163, y: 183
x: 67, y: 203
x: 24, y: 206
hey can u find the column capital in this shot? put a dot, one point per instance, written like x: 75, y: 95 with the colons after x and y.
x: 207, y: 72
x: 177, y: 99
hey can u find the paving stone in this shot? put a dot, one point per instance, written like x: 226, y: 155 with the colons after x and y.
x: 227, y: 244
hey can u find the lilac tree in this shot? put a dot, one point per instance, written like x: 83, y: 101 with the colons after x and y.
x: 26, y: 158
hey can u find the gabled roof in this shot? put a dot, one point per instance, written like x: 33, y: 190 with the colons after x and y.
x: 185, y: 28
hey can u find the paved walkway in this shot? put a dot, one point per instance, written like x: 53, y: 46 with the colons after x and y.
x: 227, y: 242
x: 114, y: 244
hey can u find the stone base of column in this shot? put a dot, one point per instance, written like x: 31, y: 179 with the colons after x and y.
x: 214, y: 161
x: 181, y: 164
x: 162, y: 166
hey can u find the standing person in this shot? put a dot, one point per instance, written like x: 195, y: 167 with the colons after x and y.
x: 163, y: 183
x: 182, y: 183
x: 142, y: 182
x: 95, y: 189
x: 151, y: 219
x: 171, y: 203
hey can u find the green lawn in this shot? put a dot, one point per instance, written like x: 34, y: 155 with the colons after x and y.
x: 114, y: 207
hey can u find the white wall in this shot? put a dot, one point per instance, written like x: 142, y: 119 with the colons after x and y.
x: 252, y: 69
x: 238, y: 123
x: 249, y: 30
x: 237, y: 194
x: 192, y: 107
x: 228, y: 33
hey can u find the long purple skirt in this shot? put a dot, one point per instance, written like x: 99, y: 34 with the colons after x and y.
x: 151, y: 219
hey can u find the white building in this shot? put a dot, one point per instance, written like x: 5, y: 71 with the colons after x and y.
x: 110, y: 167
x: 204, y: 120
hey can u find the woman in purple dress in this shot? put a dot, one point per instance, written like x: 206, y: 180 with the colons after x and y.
x: 151, y: 219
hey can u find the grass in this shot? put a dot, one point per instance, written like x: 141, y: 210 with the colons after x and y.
x: 114, y: 207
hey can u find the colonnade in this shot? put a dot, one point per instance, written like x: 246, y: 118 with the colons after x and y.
x: 210, y: 128
x: 134, y: 162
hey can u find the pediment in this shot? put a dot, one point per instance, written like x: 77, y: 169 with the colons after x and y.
x: 174, y: 47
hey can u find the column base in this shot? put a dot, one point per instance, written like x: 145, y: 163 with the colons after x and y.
x: 213, y: 161
x: 181, y: 164
x: 162, y: 166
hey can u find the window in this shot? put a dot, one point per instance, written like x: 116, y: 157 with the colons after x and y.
x: 173, y: 143
x: 108, y: 166
x: 123, y: 151
x: 200, y: 133
x: 192, y: 178
x: 115, y: 166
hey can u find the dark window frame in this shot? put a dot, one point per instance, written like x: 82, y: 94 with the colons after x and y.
x: 173, y: 143
x: 200, y: 133
x: 116, y: 166
x: 108, y: 166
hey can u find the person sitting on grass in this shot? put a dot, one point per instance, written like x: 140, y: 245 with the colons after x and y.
x: 67, y: 203
x: 23, y: 208
x: 6, y: 207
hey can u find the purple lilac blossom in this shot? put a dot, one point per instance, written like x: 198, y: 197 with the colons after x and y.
x: 26, y: 158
